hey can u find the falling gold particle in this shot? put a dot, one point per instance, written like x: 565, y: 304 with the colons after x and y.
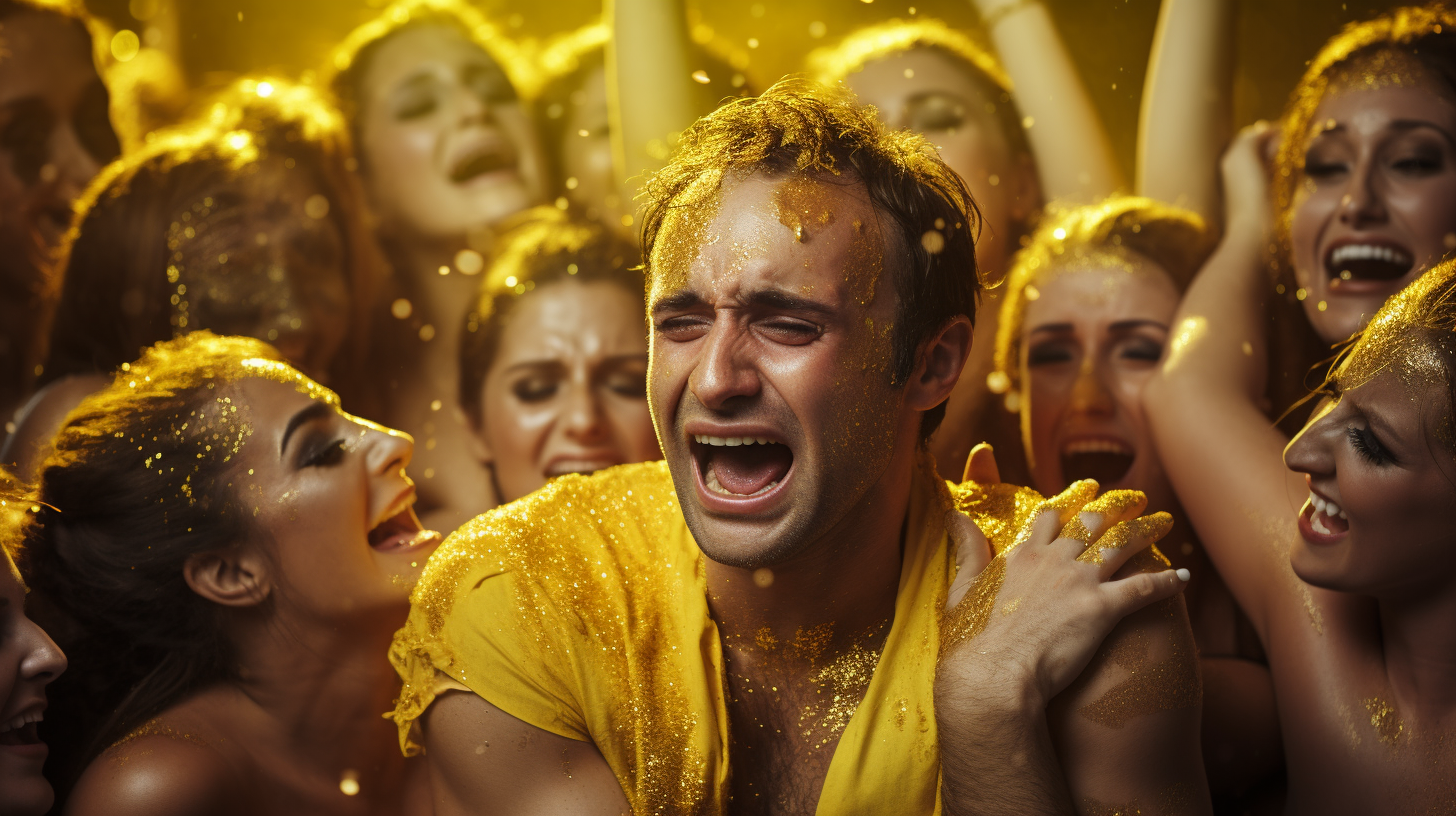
x: 469, y: 262
x: 427, y: 332
x: 125, y: 45
x: 763, y: 577
x: 701, y: 77
x: 401, y: 308
x: 349, y: 782
x: 444, y: 269
x: 316, y: 207
x: 932, y: 241
x: 435, y: 405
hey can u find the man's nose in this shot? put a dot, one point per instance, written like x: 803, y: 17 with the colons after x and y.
x: 722, y: 373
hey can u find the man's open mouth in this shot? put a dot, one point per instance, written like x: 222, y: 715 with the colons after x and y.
x: 741, y: 467
x: 479, y: 162
x: 401, y: 531
x: 1104, y: 458
x: 1376, y: 262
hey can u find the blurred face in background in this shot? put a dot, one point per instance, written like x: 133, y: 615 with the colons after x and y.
x: 1090, y: 340
x: 447, y: 147
x: 1377, y: 206
x: 567, y: 391
x: 266, y: 259
x: 586, y: 156
x: 933, y: 94
x: 54, y: 130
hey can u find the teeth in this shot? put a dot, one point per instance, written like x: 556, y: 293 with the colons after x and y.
x: 1096, y: 446
x: 714, y: 485
x: 1328, y: 508
x: 1314, y: 522
x: 1363, y: 252
x: 21, y: 721
x: 732, y: 441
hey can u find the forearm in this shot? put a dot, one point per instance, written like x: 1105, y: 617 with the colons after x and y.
x: 1073, y: 155
x: 996, y: 754
x: 648, y: 82
x: 1186, y: 107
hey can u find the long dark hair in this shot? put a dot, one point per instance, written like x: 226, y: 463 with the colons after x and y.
x: 139, y: 479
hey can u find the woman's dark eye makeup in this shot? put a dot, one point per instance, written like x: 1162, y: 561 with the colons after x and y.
x: 627, y: 383
x: 1049, y: 352
x: 321, y: 449
x: 1143, y: 349
x: 1368, y: 446
x: 935, y: 112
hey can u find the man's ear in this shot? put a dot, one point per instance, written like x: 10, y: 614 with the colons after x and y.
x: 940, y: 365
x: 232, y: 577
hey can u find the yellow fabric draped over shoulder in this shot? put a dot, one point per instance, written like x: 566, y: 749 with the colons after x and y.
x: 582, y: 610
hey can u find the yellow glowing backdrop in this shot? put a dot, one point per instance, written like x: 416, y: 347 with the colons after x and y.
x: 1109, y: 39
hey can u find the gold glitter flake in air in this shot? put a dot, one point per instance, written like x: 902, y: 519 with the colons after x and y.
x: 1385, y: 719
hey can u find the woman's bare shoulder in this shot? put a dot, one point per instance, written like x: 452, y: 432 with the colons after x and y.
x: 167, y: 767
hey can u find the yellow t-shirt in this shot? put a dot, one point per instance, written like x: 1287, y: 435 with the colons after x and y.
x: 582, y: 610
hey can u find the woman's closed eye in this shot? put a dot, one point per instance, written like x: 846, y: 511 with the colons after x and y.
x: 1141, y: 349
x: 627, y: 383
x: 416, y: 105
x: 1364, y: 441
x: 322, y: 452
x: 535, y: 387
x: 1050, y: 352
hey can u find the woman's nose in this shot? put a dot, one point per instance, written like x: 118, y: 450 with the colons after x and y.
x: 1090, y: 394
x: 45, y: 661
x: 1363, y: 202
x: 388, y: 450
x: 584, y: 414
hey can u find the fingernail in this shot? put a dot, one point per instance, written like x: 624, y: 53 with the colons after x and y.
x: 1184, y: 575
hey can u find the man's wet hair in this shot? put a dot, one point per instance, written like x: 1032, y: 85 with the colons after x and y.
x: 797, y: 126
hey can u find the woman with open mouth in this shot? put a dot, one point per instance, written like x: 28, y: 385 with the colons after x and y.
x: 29, y: 661
x: 1085, y: 319
x: 226, y: 553
x: 1345, y: 559
x: 448, y: 151
x: 553, y: 363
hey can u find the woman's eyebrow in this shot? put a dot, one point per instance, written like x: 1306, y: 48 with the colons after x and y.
x: 1129, y: 325
x: 1405, y: 125
x: 314, y: 411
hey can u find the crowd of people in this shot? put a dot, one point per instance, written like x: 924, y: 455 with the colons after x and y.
x: 473, y: 428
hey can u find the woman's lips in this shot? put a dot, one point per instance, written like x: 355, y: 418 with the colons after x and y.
x: 402, y: 532
x: 1363, y: 267
x: 1322, y: 522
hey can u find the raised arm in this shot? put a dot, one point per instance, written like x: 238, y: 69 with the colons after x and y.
x: 1187, y: 105
x: 649, y: 83
x: 1223, y: 456
x: 483, y: 760
x: 1073, y: 155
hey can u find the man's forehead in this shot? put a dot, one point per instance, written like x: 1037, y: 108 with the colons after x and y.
x: 793, y: 230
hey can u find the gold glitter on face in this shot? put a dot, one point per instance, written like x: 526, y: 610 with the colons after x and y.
x: 1385, y: 719
x: 802, y: 206
x: 684, y: 232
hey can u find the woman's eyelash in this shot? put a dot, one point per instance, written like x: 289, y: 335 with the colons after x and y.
x: 1368, y: 446
x: 330, y: 454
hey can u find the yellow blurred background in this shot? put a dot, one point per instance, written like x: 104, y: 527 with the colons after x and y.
x: 1109, y: 39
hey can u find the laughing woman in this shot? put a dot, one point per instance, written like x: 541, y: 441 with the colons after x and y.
x: 235, y: 551
x: 447, y: 150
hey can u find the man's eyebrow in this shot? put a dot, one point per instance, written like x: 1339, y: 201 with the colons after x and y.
x: 685, y: 299
x: 780, y: 300
x: 314, y: 411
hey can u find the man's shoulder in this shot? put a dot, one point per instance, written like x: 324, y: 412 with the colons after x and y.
x: 604, y: 526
